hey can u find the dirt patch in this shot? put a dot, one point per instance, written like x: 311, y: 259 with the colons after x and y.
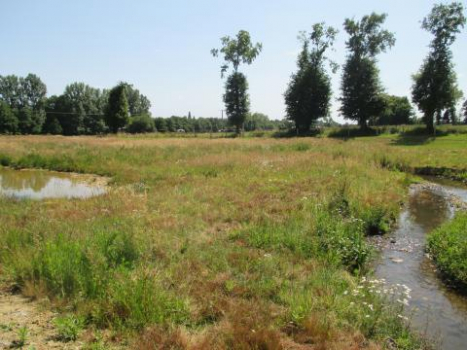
x: 18, y: 315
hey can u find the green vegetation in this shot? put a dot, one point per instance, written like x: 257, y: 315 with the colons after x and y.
x: 309, y: 92
x: 236, y: 51
x: 435, y: 85
x: 203, y: 240
x: 448, y: 246
x: 361, y: 88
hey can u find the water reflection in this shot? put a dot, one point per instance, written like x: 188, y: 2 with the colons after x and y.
x: 35, y: 184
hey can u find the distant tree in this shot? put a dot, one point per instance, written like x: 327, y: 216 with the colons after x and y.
x: 435, y: 85
x: 10, y: 90
x: 117, y: 114
x: 361, y: 87
x: 141, y: 124
x: 161, y: 124
x: 79, y: 110
x: 236, y: 51
x: 26, y: 98
x: 309, y: 92
x: 8, y: 119
x: 138, y: 104
x: 397, y: 111
x: 464, y: 108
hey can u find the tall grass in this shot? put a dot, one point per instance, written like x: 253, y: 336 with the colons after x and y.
x: 211, y: 243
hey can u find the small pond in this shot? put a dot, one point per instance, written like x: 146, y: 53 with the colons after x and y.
x: 39, y: 184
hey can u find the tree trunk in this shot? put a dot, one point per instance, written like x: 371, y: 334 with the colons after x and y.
x: 430, y: 125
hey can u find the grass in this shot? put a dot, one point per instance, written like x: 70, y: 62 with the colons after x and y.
x: 217, y: 243
x: 448, y: 246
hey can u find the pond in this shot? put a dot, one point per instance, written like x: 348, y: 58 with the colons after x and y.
x: 39, y: 184
x: 433, y: 308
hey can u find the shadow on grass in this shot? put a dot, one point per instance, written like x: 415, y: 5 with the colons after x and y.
x: 350, y: 133
x: 417, y: 136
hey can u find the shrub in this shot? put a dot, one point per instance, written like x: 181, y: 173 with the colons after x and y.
x: 448, y: 246
x: 141, y: 124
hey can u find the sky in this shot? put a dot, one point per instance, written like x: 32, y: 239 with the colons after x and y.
x: 163, y: 47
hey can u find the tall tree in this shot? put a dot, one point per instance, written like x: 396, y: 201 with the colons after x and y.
x: 309, y: 92
x: 117, y: 114
x: 361, y: 87
x: 236, y: 51
x: 464, y: 109
x: 435, y: 84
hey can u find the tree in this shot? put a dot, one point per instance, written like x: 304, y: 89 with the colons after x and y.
x: 26, y: 98
x: 138, y: 104
x: 117, y: 113
x: 309, y: 92
x: 464, y: 107
x: 236, y: 51
x: 79, y: 110
x: 397, y: 111
x: 361, y: 87
x: 141, y: 124
x: 8, y: 120
x: 435, y: 85
x: 237, y: 102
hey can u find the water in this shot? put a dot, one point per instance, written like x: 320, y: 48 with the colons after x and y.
x: 436, y: 310
x: 38, y: 184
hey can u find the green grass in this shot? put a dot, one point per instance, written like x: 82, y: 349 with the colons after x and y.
x: 200, y: 241
x: 448, y: 246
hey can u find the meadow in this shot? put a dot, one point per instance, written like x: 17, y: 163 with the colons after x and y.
x: 222, y: 243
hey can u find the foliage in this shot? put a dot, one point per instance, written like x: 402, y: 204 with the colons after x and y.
x: 141, y: 124
x: 8, y: 119
x: 448, y: 246
x: 360, y: 86
x: 26, y: 99
x: 309, y: 92
x: 117, y: 113
x: 435, y: 87
x: 237, y: 103
x: 69, y: 327
x: 464, y: 109
x: 397, y: 111
x: 237, y: 50
x: 138, y: 104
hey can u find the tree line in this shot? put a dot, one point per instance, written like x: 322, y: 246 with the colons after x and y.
x: 363, y: 100
x: 84, y: 110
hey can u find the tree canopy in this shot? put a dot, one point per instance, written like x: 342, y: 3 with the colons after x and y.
x: 361, y: 87
x: 236, y: 51
x: 309, y: 92
x: 435, y: 85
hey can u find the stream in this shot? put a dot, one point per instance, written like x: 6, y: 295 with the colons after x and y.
x: 434, y: 310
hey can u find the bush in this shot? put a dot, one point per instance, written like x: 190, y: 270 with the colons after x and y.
x: 141, y: 124
x: 448, y: 247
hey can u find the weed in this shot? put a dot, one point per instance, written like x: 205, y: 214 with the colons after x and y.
x: 69, y: 327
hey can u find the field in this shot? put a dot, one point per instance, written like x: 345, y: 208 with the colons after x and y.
x: 243, y: 243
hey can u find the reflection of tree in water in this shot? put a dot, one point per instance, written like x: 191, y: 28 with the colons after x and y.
x: 21, y: 180
x: 428, y: 209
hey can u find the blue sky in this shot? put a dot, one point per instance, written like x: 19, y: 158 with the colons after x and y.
x: 163, y: 47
